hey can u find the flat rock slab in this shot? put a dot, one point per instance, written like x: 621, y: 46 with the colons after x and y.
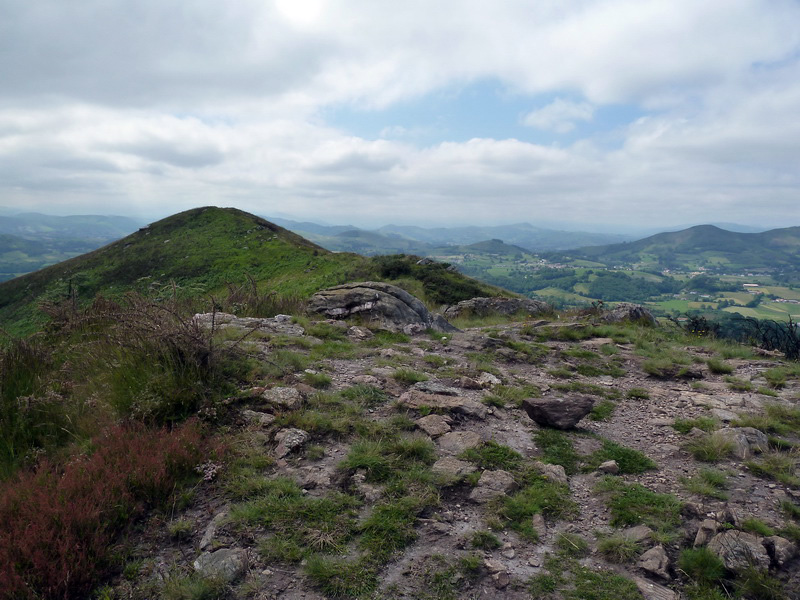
x: 283, y: 397
x: 288, y: 440
x: 491, y: 485
x: 431, y: 387
x: 278, y: 324
x: 746, y: 441
x: 654, y: 591
x: 434, y: 425
x: 456, y: 442
x: 739, y: 550
x: 452, y: 469
x: 560, y: 413
x: 416, y: 400
x: 227, y: 564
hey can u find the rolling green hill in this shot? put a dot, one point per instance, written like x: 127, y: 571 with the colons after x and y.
x: 704, y: 246
x: 199, y: 252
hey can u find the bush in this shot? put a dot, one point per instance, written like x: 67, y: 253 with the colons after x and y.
x: 59, y: 524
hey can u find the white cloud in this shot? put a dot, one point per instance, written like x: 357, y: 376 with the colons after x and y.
x: 159, y: 105
x: 559, y: 116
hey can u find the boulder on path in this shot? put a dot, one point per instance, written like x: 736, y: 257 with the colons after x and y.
x: 482, y: 307
x: 227, y: 564
x: 416, y: 400
x: 386, y: 305
x: 560, y: 413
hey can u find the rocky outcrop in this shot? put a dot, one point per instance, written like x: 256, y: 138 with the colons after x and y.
x: 561, y: 413
x: 629, y: 312
x: 739, y: 550
x: 497, y: 305
x: 382, y: 304
x: 227, y: 564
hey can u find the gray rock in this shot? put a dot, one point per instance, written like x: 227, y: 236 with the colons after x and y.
x: 746, y: 440
x: 288, y: 440
x: 654, y: 591
x: 552, y: 472
x: 610, y: 466
x: 415, y: 399
x: 359, y: 334
x: 723, y: 415
x: 539, y: 525
x: 561, y: 413
x: 780, y: 549
x: 496, y: 305
x: 491, y: 485
x: 655, y: 562
x: 434, y: 425
x: 386, y: 305
x: 638, y: 534
x: 431, y: 387
x: 227, y: 564
x: 451, y: 469
x: 456, y: 442
x: 283, y: 397
x: 629, y: 312
x: 486, y: 380
x: 739, y: 550
x: 257, y: 418
x: 468, y: 383
x: 366, y: 380
x: 708, y: 529
x: 211, y: 530
x: 278, y: 324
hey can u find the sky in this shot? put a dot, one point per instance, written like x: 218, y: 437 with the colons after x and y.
x: 597, y: 113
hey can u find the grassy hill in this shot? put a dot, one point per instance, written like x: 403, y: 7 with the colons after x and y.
x: 704, y: 246
x: 199, y: 252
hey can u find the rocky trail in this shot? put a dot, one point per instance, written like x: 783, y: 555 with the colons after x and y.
x: 457, y: 492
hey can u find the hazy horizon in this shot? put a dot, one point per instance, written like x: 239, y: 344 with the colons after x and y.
x: 586, y: 115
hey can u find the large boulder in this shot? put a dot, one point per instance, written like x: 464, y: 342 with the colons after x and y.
x: 482, y: 307
x: 383, y: 304
x: 560, y: 413
x: 629, y: 312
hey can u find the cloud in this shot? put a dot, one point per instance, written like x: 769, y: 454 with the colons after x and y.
x: 559, y: 116
x: 159, y: 105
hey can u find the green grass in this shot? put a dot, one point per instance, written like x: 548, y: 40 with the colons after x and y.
x: 756, y: 526
x: 738, y: 385
x: 493, y: 456
x: 193, y: 587
x: 408, y: 376
x: 628, y: 460
x: 603, y: 410
x: 341, y: 578
x: 701, y: 566
x: 634, y: 504
x: 719, y: 367
x: 320, y: 381
x: 710, y: 448
x: 618, y: 548
x: 389, y: 458
x: 557, y: 449
x: 778, y: 466
x: 638, y: 393
x: 571, y: 545
x: 684, y: 426
x: 485, y: 540
x: 707, y: 482
x: 538, y: 496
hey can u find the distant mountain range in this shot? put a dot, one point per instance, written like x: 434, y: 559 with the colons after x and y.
x: 421, y: 240
x: 702, y: 247
x: 30, y: 241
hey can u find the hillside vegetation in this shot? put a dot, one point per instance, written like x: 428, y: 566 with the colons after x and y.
x: 203, y: 252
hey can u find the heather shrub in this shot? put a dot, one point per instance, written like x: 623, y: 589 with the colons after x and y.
x: 59, y: 522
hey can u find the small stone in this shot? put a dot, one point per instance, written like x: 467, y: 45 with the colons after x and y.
x: 654, y: 591
x: 655, y: 562
x: 211, y: 530
x: 261, y: 419
x: 491, y: 485
x: 488, y: 380
x: 610, y: 466
x: 780, y: 549
x: 493, y: 566
x: 707, y: 530
x: 468, y: 383
x: 560, y: 413
x: 638, y: 534
x: 366, y: 380
x: 538, y: 523
x: 359, y: 333
x: 431, y: 387
x: 288, y: 440
x: 552, y: 472
x: 227, y: 564
x: 535, y: 561
x: 283, y: 397
x: 456, y: 442
x: 501, y: 579
x: 433, y: 425
x: 723, y: 415
x: 451, y: 469
x: 508, y: 551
